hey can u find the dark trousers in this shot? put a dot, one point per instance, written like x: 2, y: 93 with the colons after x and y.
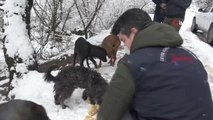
x: 159, y: 15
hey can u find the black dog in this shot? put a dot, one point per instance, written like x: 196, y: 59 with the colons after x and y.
x: 70, y: 78
x: 84, y: 50
x: 22, y: 110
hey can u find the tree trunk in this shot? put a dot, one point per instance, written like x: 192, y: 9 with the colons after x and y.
x: 18, y: 50
x: 27, y: 12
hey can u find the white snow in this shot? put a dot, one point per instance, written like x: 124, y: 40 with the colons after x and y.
x: 15, y: 30
x: 33, y: 87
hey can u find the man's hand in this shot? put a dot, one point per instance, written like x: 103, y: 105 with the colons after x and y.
x: 92, y: 113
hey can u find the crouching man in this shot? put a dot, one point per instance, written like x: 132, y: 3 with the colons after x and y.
x: 158, y: 80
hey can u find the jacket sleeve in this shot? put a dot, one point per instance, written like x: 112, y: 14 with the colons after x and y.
x: 181, y: 3
x: 118, y: 96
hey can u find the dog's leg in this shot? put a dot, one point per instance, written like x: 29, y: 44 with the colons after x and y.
x: 62, y: 98
x: 88, y: 62
x: 112, y: 61
x: 74, y: 58
x: 56, y: 99
x: 62, y: 103
x: 82, y: 62
x: 100, y: 64
x: 94, y: 62
x: 57, y: 93
x: 65, y: 94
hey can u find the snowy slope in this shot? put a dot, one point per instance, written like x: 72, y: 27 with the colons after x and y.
x: 32, y: 86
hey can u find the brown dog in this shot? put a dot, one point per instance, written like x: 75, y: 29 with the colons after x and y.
x: 111, y: 44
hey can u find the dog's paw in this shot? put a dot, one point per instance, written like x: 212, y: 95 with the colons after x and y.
x: 63, y: 106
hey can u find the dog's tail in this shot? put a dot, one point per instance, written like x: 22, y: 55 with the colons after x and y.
x: 48, y: 76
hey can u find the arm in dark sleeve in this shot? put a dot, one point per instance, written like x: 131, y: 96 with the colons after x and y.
x: 118, y: 96
x: 181, y: 3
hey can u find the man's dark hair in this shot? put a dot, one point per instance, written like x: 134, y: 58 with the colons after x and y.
x: 134, y: 17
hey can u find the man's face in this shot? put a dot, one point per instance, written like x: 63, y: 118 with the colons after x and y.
x: 127, y: 40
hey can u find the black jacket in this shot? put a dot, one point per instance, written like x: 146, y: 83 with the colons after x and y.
x: 177, y: 8
x: 171, y: 84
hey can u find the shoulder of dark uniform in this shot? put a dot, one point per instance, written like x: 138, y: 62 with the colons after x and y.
x: 124, y: 60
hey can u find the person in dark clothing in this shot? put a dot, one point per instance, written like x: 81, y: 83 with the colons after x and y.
x: 159, y: 79
x: 175, y: 12
x: 159, y: 10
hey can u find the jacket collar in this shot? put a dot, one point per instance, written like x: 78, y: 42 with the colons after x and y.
x: 156, y: 34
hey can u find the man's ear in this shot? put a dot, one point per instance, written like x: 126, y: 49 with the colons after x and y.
x: 134, y: 30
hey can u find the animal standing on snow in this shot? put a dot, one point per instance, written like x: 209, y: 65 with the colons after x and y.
x: 111, y: 44
x: 70, y: 78
x: 22, y: 110
x: 85, y: 50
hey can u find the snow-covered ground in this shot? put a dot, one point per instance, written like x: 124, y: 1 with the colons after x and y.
x: 32, y: 86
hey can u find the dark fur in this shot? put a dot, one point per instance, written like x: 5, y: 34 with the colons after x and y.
x: 22, y: 110
x: 70, y: 78
x: 85, y: 50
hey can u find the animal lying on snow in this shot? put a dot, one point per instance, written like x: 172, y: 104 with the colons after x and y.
x: 70, y: 78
